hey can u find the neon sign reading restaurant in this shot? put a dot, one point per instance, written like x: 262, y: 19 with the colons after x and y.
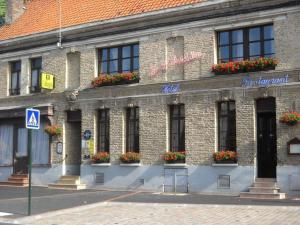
x: 264, y: 82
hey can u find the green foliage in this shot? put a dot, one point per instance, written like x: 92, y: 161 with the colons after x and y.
x: 2, y: 8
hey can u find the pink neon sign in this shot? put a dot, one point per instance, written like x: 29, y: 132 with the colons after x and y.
x: 154, y: 71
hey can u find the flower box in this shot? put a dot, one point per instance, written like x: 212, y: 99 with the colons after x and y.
x: 225, y: 157
x: 53, y: 130
x: 290, y: 118
x: 174, y: 157
x: 100, y: 157
x: 261, y: 64
x: 130, y: 157
x: 116, y: 79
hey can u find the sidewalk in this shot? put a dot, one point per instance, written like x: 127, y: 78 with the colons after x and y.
x: 167, y: 214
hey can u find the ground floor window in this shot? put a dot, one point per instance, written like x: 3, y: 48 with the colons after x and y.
x: 103, y: 130
x: 40, y: 146
x: 132, y: 130
x: 177, y: 128
x: 6, y: 144
x: 227, y: 125
x: 13, y: 144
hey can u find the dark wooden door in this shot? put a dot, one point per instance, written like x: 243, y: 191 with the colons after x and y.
x: 266, y: 145
x: 20, y: 150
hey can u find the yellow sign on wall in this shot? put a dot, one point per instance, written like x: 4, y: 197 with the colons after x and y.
x: 47, y: 81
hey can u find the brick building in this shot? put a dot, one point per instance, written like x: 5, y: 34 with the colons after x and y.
x: 176, y: 104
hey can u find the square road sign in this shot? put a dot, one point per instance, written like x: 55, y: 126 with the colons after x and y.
x: 32, y: 119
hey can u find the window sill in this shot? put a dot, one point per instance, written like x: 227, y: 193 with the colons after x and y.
x: 225, y: 164
x: 101, y: 164
x: 6, y: 165
x: 175, y: 165
x: 131, y: 164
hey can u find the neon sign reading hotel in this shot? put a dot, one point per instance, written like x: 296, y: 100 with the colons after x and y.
x: 154, y: 71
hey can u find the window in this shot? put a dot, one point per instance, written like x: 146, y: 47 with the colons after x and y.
x: 36, y: 67
x: 247, y: 43
x: 132, y: 130
x: 119, y: 59
x: 227, y: 125
x: 103, y: 130
x: 15, y: 78
x: 177, y: 128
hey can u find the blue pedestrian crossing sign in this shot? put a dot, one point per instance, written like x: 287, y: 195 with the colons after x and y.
x: 33, y: 119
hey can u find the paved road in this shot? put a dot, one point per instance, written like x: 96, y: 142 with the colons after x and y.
x: 117, y: 207
x: 168, y: 214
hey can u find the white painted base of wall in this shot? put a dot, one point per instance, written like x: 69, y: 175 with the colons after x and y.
x: 40, y: 175
x: 201, y: 179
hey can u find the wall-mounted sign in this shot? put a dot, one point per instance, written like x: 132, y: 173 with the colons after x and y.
x: 293, y: 146
x: 47, y: 81
x: 90, y: 144
x: 264, y: 82
x: 59, y: 148
x: 170, y: 88
x: 87, y: 134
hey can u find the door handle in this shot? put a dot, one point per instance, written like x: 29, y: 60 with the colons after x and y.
x: 271, y: 135
x: 260, y: 135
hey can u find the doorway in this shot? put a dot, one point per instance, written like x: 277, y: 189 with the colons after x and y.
x: 266, y: 138
x: 73, y: 142
x: 20, y: 151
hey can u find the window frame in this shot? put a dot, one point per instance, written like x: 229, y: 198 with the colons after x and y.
x: 179, y: 118
x: 246, y: 43
x: 104, y: 121
x: 15, y: 91
x: 132, y: 139
x: 35, y: 89
x: 230, y: 146
x: 119, y: 59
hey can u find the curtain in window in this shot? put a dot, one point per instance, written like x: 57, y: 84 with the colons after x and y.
x: 22, y: 142
x: 40, y: 146
x: 6, y: 144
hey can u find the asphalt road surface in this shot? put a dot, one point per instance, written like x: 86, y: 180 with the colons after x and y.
x: 15, y: 201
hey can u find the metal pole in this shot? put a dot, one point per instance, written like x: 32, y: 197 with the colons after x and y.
x: 29, y: 170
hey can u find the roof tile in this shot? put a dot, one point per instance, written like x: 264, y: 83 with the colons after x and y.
x: 43, y: 15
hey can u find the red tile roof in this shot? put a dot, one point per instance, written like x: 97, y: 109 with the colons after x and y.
x: 43, y: 15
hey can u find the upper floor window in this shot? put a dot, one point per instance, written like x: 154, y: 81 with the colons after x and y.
x: 227, y: 125
x: 103, y: 130
x: 15, y: 78
x: 36, y: 67
x: 132, y: 130
x: 177, y: 128
x: 246, y: 43
x: 119, y: 59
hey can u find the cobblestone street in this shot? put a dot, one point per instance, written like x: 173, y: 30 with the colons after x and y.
x: 173, y: 214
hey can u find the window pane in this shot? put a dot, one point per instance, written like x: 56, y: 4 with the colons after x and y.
x: 104, y: 54
x: 126, y: 52
x: 103, y: 67
x: 136, y: 64
x: 113, y: 53
x: 254, y: 48
x: 113, y: 66
x: 237, y: 36
x: 14, y: 80
x: 224, y: 108
x: 136, y: 50
x: 269, y: 47
x: 268, y: 32
x: 237, y: 51
x: 254, y: 34
x: 34, y: 78
x: 223, y: 52
x: 16, y: 66
x: 126, y: 65
x: 223, y: 38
